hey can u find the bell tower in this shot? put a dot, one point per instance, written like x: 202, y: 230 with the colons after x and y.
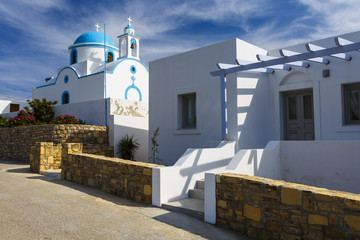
x: 129, y: 43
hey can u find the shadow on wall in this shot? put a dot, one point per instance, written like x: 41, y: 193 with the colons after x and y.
x: 258, y: 162
x: 252, y: 97
x: 141, y: 135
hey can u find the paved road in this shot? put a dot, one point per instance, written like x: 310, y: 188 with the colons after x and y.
x: 33, y: 206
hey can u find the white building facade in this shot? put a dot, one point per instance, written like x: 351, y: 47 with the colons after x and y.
x: 97, y: 71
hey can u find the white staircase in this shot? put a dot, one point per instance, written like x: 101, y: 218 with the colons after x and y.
x: 192, y: 206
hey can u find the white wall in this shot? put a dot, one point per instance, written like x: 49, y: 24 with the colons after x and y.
x: 80, y: 89
x: 92, y: 112
x: 186, y: 73
x: 5, y: 106
x: 173, y: 183
x: 119, y: 126
x: 119, y: 79
x: 329, y: 164
x: 258, y: 162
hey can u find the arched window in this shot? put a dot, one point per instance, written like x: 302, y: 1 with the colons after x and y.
x: 110, y: 57
x: 73, y: 57
x: 65, y: 99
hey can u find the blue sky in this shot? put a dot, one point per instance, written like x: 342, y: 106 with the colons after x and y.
x: 34, y: 35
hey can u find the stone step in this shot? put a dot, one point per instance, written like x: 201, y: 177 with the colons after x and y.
x: 52, y: 173
x: 200, y: 184
x: 196, y: 193
x: 189, y: 206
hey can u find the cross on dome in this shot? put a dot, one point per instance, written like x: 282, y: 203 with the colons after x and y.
x: 97, y: 27
x: 129, y: 19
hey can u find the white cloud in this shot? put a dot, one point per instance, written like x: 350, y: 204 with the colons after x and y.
x: 333, y: 17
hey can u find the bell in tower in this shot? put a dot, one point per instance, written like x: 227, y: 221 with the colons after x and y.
x: 129, y: 43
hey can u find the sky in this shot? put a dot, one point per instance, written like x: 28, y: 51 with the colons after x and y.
x: 35, y: 35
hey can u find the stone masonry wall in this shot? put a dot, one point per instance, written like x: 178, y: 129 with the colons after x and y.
x: 44, y: 156
x: 268, y: 209
x: 129, y: 179
x: 47, y: 155
x: 17, y: 142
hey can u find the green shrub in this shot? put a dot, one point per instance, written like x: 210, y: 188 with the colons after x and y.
x: 66, y: 119
x: 22, y: 119
x: 42, y: 110
x: 2, y: 121
x: 127, y: 147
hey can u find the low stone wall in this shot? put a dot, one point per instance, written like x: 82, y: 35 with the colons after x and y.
x: 47, y: 155
x: 267, y: 209
x: 128, y: 179
x: 44, y: 156
x: 17, y: 142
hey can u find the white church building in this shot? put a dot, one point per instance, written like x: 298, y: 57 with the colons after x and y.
x: 104, y: 84
x: 98, y: 69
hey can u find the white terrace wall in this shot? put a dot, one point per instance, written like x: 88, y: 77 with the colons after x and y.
x: 173, y: 183
x: 329, y: 164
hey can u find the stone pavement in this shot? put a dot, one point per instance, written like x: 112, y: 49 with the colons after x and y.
x: 34, y: 206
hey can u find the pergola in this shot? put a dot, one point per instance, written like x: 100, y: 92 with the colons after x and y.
x: 268, y: 65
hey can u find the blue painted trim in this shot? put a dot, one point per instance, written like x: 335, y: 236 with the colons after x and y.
x: 105, y: 76
x: 71, y: 56
x: 66, y: 79
x: 129, y: 35
x: 134, y: 87
x: 289, y: 59
x: 223, y: 107
x: 77, y: 75
x: 92, y: 45
x: 123, y: 59
x: 106, y: 56
x: 63, y: 97
x: 93, y: 73
x: 132, y: 69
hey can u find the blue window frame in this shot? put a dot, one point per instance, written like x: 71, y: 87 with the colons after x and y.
x: 65, y: 98
x: 73, y: 56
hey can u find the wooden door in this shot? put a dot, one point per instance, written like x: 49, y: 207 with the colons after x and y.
x: 299, y: 116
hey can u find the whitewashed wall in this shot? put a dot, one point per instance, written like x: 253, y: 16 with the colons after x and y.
x: 92, y: 112
x: 173, y: 183
x: 5, y: 107
x: 186, y: 73
x: 119, y: 126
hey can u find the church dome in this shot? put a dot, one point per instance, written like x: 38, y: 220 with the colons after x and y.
x: 95, y: 37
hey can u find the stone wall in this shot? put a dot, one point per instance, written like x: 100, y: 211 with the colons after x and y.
x: 267, y: 209
x: 47, y: 155
x: 44, y: 156
x: 17, y: 142
x: 128, y: 179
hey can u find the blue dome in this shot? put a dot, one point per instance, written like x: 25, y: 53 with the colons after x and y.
x: 95, y: 37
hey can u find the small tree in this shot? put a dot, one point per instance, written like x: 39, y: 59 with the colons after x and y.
x: 127, y: 147
x: 155, y: 148
x: 42, y: 110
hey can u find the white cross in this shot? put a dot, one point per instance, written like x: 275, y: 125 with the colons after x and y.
x: 129, y: 19
x: 97, y: 27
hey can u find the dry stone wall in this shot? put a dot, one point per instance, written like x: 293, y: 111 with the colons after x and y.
x: 128, y: 179
x: 17, y: 142
x: 44, y: 156
x: 268, y: 209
